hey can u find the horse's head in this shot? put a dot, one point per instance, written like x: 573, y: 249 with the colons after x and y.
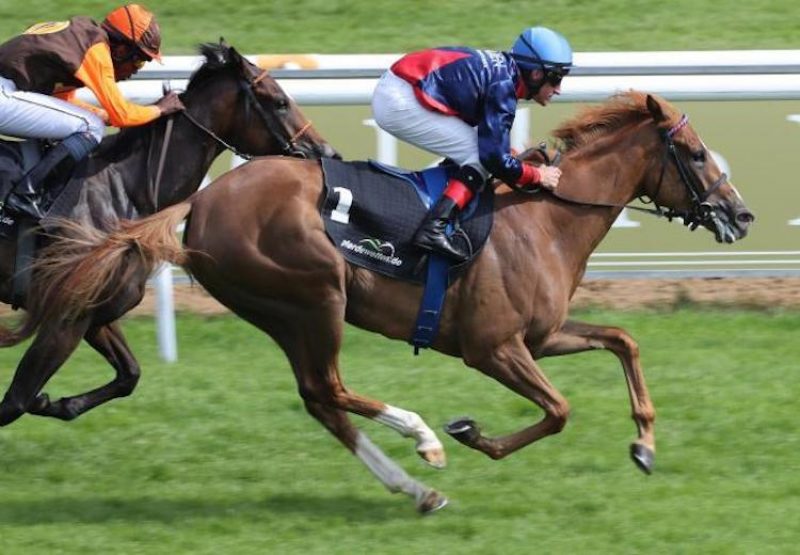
x: 261, y: 118
x: 689, y: 182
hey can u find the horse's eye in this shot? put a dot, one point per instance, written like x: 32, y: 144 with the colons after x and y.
x: 699, y: 157
x: 281, y: 104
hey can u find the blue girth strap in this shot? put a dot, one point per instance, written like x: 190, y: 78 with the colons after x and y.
x: 430, y: 310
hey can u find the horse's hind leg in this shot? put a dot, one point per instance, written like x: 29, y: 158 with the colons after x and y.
x: 54, y: 343
x: 311, y: 339
x: 394, y: 478
x: 109, y: 341
x: 314, y: 361
x: 575, y: 337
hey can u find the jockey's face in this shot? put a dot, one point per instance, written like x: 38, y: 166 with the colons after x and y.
x: 549, y: 87
x: 127, y: 60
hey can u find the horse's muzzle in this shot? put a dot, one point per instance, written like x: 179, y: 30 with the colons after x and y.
x: 729, y: 222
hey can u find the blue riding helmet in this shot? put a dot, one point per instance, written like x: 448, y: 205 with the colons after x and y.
x: 542, y: 48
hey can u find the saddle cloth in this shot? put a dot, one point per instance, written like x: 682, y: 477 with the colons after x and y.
x: 60, y: 190
x: 371, y: 211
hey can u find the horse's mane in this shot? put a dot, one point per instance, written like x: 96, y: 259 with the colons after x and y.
x: 218, y: 58
x: 621, y: 110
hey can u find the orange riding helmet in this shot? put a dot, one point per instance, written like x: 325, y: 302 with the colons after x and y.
x: 138, y: 24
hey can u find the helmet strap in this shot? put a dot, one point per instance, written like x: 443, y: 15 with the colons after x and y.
x: 532, y: 85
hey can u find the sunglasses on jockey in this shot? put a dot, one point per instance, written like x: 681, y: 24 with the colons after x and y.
x: 129, y: 54
x: 124, y: 51
x: 555, y: 75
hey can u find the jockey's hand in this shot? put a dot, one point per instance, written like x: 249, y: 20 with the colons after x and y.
x: 170, y: 103
x: 549, y: 177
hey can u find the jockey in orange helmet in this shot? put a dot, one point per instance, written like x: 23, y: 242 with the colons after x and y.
x: 40, y: 71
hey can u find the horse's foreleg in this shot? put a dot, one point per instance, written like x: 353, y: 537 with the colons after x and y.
x: 575, y: 337
x: 109, y: 341
x: 52, y: 346
x: 512, y: 365
x: 394, y: 478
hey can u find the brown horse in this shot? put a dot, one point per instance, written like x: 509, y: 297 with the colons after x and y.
x: 230, y: 103
x: 256, y: 242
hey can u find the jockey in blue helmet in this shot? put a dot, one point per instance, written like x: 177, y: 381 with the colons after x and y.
x: 459, y: 103
x: 543, y: 50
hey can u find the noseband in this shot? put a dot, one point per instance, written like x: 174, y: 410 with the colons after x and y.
x: 700, y: 211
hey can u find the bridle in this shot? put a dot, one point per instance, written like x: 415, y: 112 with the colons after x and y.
x: 700, y: 211
x: 288, y: 143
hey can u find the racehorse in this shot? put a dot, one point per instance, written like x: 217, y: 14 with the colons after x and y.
x: 255, y: 240
x: 230, y: 104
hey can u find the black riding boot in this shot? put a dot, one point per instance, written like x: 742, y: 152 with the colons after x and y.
x: 432, y: 236
x: 25, y: 198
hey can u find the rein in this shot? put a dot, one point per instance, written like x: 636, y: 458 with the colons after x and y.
x: 700, y: 211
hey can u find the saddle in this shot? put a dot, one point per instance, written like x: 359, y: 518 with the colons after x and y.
x: 371, y: 211
x: 61, y: 191
x: 16, y: 159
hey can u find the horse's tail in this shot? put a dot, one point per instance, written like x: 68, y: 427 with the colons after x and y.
x: 83, y: 267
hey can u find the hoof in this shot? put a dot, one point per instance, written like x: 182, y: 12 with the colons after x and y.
x: 431, y: 502
x: 463, y: 429
x: 643, y: 457
x: 434, y: 457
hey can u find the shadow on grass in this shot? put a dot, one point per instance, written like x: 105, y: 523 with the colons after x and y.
x: 98, y: 510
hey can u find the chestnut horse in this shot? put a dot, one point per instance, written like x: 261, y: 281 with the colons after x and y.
x: 255, y: 240
x: 230, y: 103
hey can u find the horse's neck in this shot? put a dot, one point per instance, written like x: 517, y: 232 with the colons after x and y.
x: 186, y: 160
x: 567, y: 233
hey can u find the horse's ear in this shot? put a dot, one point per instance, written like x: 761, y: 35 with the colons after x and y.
x: 222, y: 43
x: 655, y: 109
x: 238, y: 59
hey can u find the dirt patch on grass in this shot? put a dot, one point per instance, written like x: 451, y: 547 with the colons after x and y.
x: 622, y: 294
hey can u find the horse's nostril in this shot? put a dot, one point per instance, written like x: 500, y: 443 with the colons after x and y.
x: 745, y: 217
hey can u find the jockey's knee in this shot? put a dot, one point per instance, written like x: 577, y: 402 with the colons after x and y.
x: 472, y: 176
x: 80, y: 144
x: 93, y: 126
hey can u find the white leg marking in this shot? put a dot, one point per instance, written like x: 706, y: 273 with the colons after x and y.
x: 386, y: 470
x: 410, y: 424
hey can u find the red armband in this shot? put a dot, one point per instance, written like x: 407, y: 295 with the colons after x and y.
x: 530, y: 175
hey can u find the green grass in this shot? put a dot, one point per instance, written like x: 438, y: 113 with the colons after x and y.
x: 361, y: 26
x: 215, y: 454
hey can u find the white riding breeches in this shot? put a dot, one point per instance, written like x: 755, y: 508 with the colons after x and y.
x: 397, y: 111
x: 30, y: 115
